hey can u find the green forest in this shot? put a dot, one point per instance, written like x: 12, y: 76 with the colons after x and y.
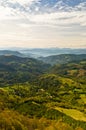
x: 37, y: 94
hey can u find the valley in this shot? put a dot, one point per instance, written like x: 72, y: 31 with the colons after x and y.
x: 35, y: 95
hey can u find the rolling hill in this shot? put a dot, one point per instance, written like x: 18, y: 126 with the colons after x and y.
x: 44, y: 52
x: 63, y: 58
x: 37, y: 96
x: 10, y: 52
x: 15, y: 69
x: 72, y: 69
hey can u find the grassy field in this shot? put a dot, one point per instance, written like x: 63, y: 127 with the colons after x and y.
x: 75, y: 114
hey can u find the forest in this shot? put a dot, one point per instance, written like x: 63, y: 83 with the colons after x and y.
x: 43, y: 94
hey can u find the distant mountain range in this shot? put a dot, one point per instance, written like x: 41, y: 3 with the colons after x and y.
x: 40, y: 52
x: 48, y: 55
x: 17, y: 53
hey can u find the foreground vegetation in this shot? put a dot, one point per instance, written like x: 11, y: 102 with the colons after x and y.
x: 54, y: 99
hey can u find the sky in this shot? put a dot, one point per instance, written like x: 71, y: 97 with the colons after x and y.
x: 43, y: 23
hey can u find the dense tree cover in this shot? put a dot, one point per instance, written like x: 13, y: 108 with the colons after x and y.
x: 73, y: 69
x: 24, y: 103
x: 43, y: 101
x: 15, y: 69
x: 11, y: 120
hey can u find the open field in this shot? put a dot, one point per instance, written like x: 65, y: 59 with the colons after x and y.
x: 75, y: 114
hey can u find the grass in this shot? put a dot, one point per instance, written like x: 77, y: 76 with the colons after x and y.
x: 83, y: 97
x: 75, y: 114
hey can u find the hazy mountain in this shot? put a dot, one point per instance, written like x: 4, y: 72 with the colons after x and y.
x: 40, y: 52
x: 37, y: 52
x: 63, y: 58
x: 17, y: 52
x: 10, y: 52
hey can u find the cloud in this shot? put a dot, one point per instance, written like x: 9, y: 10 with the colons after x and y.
x: 59, y: 14
x: 24, y: 1
x: 42, y: 19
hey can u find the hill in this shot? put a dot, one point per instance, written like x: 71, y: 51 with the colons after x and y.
x: 15, y: 69
x: 44, y: 52
x: 40, y: 52
x: 37, y: 96
x: 63, y: 58
x: 74, y: 69
x: 50, y: 103
x: 9, y: 52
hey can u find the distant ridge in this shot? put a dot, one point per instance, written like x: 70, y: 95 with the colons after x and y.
x: 10, y: 52
x: 41, y: 52
x: 63, y: 58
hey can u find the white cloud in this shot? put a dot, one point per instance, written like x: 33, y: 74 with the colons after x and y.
x: 25, y: 1
x: 41, y: 22
x: 81, y: 6
x: 15, y: 2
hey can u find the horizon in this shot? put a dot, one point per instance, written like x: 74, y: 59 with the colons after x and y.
x: 14, y: 48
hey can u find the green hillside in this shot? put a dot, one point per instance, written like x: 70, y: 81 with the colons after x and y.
x: 75, y: 70
x: 37, y: 96
x: 15, y: 69
x: 63, y: 58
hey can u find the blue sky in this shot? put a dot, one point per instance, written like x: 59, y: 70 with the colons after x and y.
x: 43, y: 23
